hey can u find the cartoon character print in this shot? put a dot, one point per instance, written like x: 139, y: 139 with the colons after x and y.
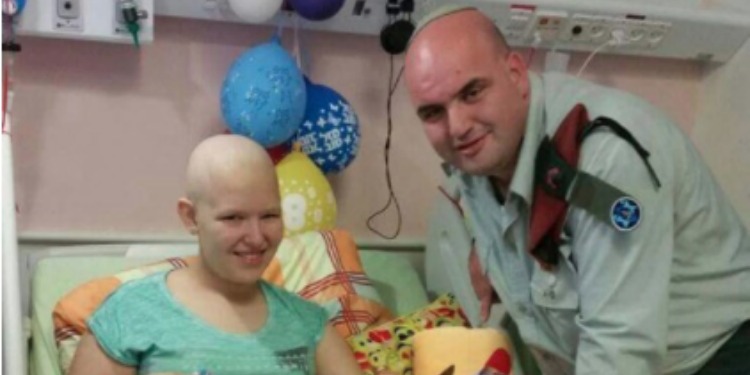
x: 499, y: 363
x: 371, y: 352
x: 390, y: 346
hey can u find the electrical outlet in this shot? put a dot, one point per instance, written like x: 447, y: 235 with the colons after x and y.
x: 518, y: 24
x: 576, y: 29
x: 633, y: 31
x: 69, y: 9
x: 656, y: 33
x: 595, y: 30
x: 599, y: 30
x: 640, y: 33
x: 68, y: 15
x: 637, y: 35
x: 549, y: 24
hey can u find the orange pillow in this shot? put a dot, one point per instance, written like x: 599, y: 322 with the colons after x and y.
x: 323, y: 267
x: 72, y: 311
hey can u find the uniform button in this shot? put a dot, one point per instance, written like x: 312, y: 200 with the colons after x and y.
x: 549, y: 293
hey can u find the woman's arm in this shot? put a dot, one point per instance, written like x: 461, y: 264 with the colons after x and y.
x: 334, y: 356
x: 91, y: 359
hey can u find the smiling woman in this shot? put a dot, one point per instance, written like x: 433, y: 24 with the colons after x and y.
x: 221, y: 302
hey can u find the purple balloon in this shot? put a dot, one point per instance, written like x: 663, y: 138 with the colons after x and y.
x: 317, y: 10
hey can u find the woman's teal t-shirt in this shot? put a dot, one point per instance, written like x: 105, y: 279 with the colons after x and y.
x: 142, y: 325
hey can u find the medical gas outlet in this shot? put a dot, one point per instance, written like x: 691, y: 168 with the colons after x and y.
x: 128, y: 16
x: 68, y: 15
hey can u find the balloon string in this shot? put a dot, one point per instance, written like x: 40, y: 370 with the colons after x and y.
x: 297, y: 50
x: 280, y: 28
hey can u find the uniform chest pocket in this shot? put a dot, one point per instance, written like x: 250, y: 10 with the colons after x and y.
x: 556, y: 297
x: 556, y: 289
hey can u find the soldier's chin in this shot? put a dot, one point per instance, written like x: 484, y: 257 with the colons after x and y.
x: 474, y: 167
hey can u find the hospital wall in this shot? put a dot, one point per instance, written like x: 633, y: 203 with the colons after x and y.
x: 722, y: 127
x: 102, y: 131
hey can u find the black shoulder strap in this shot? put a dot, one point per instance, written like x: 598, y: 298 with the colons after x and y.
x: 625, y: 135
x: 583, y: 190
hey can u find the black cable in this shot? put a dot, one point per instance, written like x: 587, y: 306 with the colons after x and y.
x: 407, y: 6
x: 391, y: 195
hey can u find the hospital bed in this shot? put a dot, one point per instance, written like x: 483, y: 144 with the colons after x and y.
x: 60, y: 269
x: 57, y: 270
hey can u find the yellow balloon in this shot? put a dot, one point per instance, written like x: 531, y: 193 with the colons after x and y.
x: 307, y: 201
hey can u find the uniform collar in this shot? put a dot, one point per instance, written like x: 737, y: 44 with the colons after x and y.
x: 522, y: 183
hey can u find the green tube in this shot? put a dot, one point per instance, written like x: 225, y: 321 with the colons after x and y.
x: 134, y: 29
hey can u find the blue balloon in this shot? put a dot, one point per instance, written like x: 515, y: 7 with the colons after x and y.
x: 329, y: 134
x: 263, y: 96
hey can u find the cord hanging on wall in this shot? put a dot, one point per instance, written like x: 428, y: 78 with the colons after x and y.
x: 392, y: 199
x: 394, y: 38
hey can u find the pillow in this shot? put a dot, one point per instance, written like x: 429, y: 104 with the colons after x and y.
x: 465, y: 350
x: 73, y: 310
x: 389, y: 346
x: 323, y: 267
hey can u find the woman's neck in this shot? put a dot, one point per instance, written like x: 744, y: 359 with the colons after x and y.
x: 240, y: 294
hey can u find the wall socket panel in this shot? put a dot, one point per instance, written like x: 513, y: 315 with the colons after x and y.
x: 596, y: 30
x: 68, y: 15
x: 656, y: 29
x: 94, y: 20
x: 648, y: 29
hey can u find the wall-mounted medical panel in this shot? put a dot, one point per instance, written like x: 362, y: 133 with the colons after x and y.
x: 121, y: 21
x: 669, y: 29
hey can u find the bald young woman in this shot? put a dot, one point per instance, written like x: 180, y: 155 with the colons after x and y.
x: 217, y: 316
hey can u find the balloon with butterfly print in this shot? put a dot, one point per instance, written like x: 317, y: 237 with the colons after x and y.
x: 263, y: 94
x: 329, y: 133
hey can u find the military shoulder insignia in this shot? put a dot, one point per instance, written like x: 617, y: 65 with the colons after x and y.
x: 625, y: 214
